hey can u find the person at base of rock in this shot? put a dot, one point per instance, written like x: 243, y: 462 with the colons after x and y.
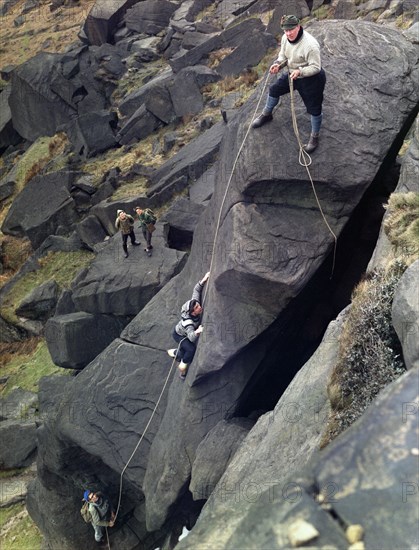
x: 301, y: 52
x: 125, y: 223
x: 188, y: 329
x: 101, y: 512
x: 147, y: 221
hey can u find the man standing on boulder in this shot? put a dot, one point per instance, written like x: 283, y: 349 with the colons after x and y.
x: 188, y: 329
x: 125, y: 223
x: 301, y: 52
x: 147, y: 221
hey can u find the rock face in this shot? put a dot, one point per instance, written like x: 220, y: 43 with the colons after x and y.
x: 267, y: 247
x: 405, y: 315
x: 334, y: 485
x: 44, y: 109
x: 42, y: 207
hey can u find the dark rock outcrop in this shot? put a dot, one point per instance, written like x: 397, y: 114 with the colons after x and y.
x: 103, y: 19
x: 91, y: 133
x: 405, y: 315
x: 149, y: 16
x: 386, y: 437
x: 44, y: 110
x: 40, y: 303
x: 75, y: 339
x: 122, y: 286
x: 182, y: 218
x: 268, y: 261
x: 42, y: 207
x: 18, y: 444
x: 8, y: 134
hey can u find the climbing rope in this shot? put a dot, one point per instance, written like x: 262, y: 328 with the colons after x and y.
x: 144, y: 432
x: 304, y: 159
x: 173, y: 362
x: 217, y: 227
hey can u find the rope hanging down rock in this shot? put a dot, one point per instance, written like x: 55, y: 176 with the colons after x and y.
x: 306, y: 163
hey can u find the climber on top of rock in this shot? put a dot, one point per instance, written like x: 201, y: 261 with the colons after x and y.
x: 301, y: 52
x: 188, y: 329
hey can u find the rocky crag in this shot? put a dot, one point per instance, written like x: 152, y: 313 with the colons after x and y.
x: 239, y: 439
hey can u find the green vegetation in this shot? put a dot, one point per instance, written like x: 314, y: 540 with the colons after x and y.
x: 369, y: 350
x: 17, y: 530
x: 401, y: 224
x: 60, y: 266
x: 25, y: 371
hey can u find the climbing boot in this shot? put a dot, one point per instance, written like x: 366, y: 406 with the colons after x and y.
x: 312, y: 144
x: 183, y: 369
x: 172, y: 352
x: 262, y: 119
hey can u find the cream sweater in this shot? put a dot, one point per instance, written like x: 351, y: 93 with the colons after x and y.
x: 303, y: 55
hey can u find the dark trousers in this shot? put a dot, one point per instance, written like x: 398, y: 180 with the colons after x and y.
x: 310, y: 89
x: 147, y: 236
x: 186, y: 349
x: 125, y: 239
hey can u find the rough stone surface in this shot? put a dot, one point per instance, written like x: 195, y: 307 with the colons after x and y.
x: 122, y: 286
x: 51, y: 392
x: 149, y: 16
x: 44, y: 110
x: 405, y: 315
x: 103, y: 19
x: 91, y: 133
x: 40, y: 303
x: 91, y: 231
x: 382, y: 438
x: 44, y: 205
x: 18, y: 405
x: 280, y: 444
x: 268, y: 266
x: 18, y: 443
x: 214, y: 454
x: 8, y: 135
x: 77, y: 338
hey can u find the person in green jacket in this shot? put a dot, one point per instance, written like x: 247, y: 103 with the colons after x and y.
x: 147, y: 220
x: 101, y: 512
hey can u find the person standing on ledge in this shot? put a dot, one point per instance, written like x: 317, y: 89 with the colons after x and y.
x: 147, y: 220
x: 125, y: 223
x: 301, y: 52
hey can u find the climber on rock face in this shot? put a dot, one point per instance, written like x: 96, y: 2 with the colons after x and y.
x: 301, y: 52
x: 188, y: 329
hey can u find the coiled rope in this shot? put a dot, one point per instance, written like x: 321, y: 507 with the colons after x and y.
x: 305, y: 160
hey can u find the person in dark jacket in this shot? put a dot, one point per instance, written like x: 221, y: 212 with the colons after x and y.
x: 300, y: 51
x: 147, y: 221
x: 125, y: 223
x: 101, y: 512
x: 188, y: 329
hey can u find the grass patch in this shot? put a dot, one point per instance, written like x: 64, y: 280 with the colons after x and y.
x: 132, y: 189
x: 6, y: 474
x: 59, y: 266
x: 17, y: 530
x: 24, y: 371
x: 32, y: 162
x: 369, y: 351
x: 15, y: 251
x: 401, y: 224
